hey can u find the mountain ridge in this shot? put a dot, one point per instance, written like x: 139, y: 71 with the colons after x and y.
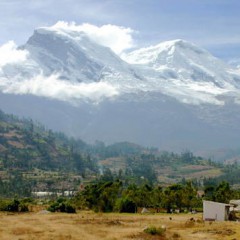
x: 72, y: 52
x: 186, y: 67
x: 175, y: 68
x: 106, y: 98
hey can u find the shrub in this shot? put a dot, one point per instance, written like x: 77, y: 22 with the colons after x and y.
x: 126, y: 205
x: 152, y: 230
x: 3, y: 205
x: 69, y: 208
x: 23, y: 207
x: 54, y: 207
x: 61, y: 205
x: 13, y: 206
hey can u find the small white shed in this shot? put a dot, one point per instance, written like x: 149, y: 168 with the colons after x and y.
x: 215, y: 211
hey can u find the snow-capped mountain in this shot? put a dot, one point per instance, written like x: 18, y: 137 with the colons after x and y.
x: 74, y: 56
x: 179, y: 59
x: 174, y: 95
x: 70, y: 64
x: 74, y: 67
x: 185, y: 71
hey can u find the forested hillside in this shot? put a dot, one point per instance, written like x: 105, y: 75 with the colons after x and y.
x: 33, y: 158
x: 27, y: 145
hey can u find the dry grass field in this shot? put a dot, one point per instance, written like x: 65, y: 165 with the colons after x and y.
x: 92, y: 226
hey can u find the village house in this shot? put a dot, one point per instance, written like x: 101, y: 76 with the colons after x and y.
x: 215, y: 211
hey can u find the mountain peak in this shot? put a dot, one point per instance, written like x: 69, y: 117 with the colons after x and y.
x: 163, y: 50
x: 179, y: 42
x: 183, y: 70
x: 74, y: 56
x: 62, y: 32
x: 184, y: 60
x: 175, y: 43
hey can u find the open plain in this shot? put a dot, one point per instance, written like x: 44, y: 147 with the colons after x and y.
x: 112, y: 226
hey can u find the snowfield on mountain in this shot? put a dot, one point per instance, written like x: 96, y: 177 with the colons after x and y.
x: 174, y: 95
x: 64, y: 57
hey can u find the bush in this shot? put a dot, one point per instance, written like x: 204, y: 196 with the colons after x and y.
x: 53, y: 207
x: 69, y: 208
x: 23, y: 207
x: 3, y: 205
x: 13, y: 206
x: 126, y: 205
x: 61, y: 205
x: 152, y: 230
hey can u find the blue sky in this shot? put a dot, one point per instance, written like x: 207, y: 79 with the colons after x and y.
x: 212, y: 24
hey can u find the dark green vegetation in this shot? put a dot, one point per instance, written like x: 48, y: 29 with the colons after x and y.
x: 119, y: 177
x: 35, y: 159
x: 62, y: 205
x: 14, y: 205
x: 152, y: 230
x: 116, y: 195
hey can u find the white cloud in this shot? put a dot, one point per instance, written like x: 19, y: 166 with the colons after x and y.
x: 118, y: 38
x: 52, y: 87
x: 10, y: 54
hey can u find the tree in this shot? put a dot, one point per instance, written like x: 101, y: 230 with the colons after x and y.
x: 101, y: 196
x: 157, y: 197
x: 173, y: 197
x: 189, y: 196
x: 125, y: 204
x: 223, y: 193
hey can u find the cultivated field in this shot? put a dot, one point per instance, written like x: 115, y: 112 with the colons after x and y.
x: 92, y: 226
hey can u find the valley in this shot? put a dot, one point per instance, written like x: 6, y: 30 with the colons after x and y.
x: 36, y: 159
x: 119, y: 120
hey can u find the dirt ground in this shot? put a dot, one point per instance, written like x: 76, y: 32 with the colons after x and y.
x: 91, y: 226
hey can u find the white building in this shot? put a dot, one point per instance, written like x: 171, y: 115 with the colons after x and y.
x: 215, y: 211
x: 235, y: 205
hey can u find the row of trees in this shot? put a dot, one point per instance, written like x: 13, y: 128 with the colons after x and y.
x: 115, y: 196
x: 109, y: 196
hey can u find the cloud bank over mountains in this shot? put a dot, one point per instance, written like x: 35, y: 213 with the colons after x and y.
x: 117, y: 38
x: 52, y: 87
x: 10, y: 54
